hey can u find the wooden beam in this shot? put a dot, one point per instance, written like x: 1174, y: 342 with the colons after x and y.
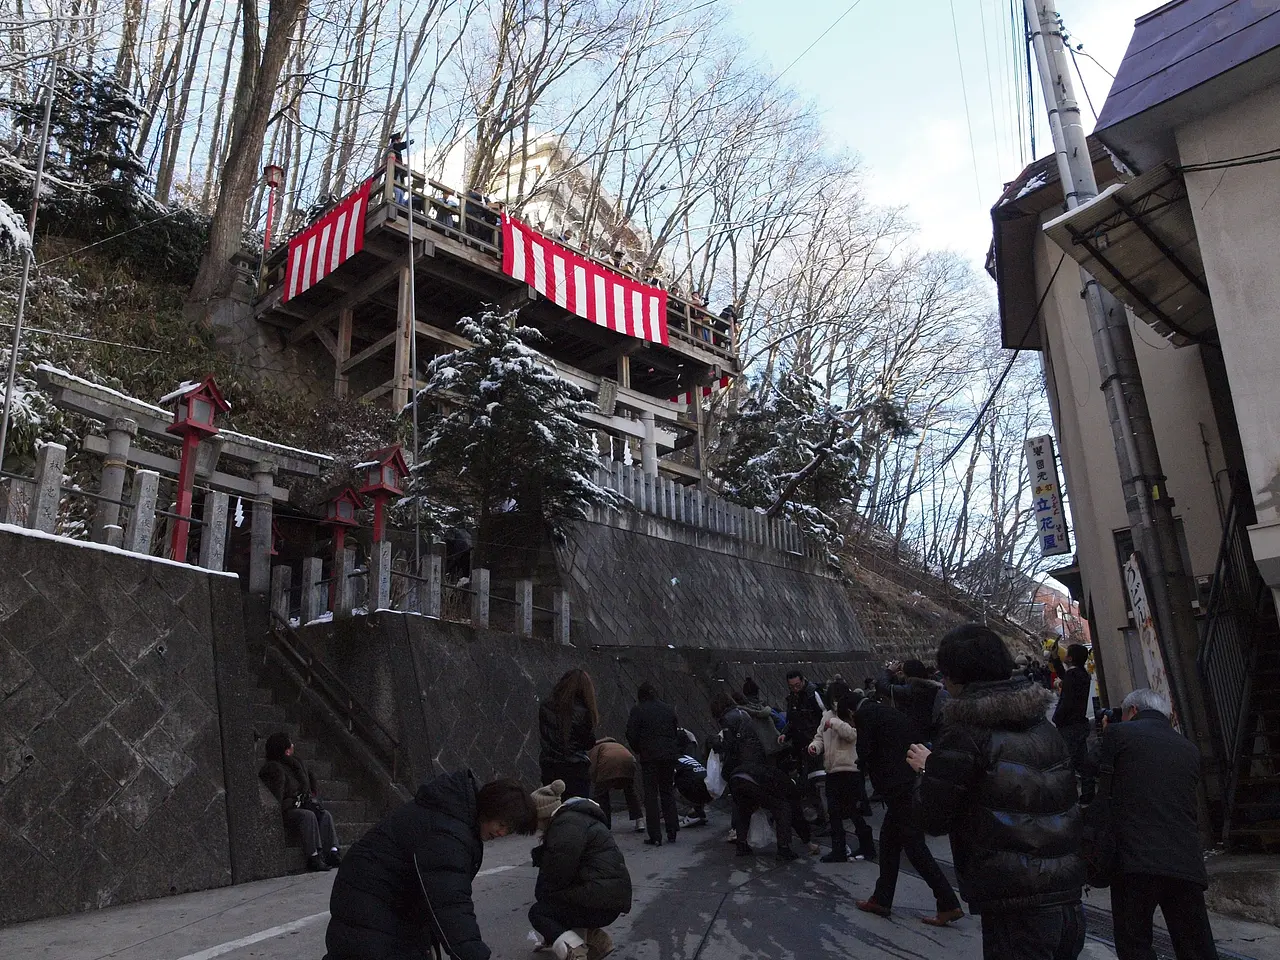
x: 377, y: 391
x: 403, y: 340
x: 341, y: 382
x: 442, y: 336
x: 362, y: 291
x: 372, y: 350
x: 167, y: 465
x: 625, y: 348
x: 327, y: 341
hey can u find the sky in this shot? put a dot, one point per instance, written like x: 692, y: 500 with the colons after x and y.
x: 887, y: 80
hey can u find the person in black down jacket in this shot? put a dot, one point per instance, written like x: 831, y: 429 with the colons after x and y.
x: 1071, y: 715
x: 805, y: 706
x: 1154, y: 789
x: 737, y: 742
x: 908, y: 688
x: 1000, y: 781
x: 884, y: 737
x: 583, y: 883
x: 653, y: 733
x: 405, y: 887
x: 295, y: 789
x: 567, y: 722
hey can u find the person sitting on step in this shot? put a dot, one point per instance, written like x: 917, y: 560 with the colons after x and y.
x: 295, y: 789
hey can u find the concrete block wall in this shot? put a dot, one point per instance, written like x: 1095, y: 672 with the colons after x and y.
x: 112, y: 784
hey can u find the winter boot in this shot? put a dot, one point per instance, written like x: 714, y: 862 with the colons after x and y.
x: 599, y: 943
x: 316, y: 863
x: 333, y: 857
x: 570, y: 946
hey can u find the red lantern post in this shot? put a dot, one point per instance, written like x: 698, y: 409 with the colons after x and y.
x: 274, y: 176
x: 384, y: 472
x: 339, y: 515
x: 195, y: 406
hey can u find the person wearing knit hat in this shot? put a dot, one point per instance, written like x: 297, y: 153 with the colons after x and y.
x: 583, y: 883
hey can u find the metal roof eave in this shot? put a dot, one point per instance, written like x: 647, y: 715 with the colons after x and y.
x: 1138, y: 240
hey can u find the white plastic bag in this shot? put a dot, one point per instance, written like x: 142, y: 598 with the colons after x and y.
x: 715, y: 776
x: 761, y: 834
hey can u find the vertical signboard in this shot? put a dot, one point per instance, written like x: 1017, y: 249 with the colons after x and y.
x: 1046, y: 495
x: 1148, y: 638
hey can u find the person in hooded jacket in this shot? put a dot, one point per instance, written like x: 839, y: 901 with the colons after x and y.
x: 907, y: 687
x: 567, y: 722
x: 1000, y: 781
x: 295, y: 789
x: 653, y: 733
x: 583, y: 883
x: 613, y: 767
x: 403, y: 890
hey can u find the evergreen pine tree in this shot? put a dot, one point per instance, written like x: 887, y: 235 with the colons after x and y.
x: 502, y: 434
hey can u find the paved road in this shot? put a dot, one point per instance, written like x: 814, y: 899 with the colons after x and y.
x: 693, y: 901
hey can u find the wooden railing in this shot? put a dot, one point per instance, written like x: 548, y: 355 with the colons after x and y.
x: 468, y: 219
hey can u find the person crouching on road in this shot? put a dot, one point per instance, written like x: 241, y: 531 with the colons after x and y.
x: 613, y: 767
x: 836, y: 743
x: 403, y: 891
x: 1000, y: 781
x: 583, y: 884
x: 691, y: 781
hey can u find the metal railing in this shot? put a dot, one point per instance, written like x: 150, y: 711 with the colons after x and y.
x: 360, y: 721
x: 1229, y: 651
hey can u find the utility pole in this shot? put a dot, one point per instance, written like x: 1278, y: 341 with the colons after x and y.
x: 28, y: 254
x: 413, y: 308
x: 1147, y: 500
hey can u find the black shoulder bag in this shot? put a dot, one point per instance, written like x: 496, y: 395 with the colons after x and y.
x: 1100, y: 847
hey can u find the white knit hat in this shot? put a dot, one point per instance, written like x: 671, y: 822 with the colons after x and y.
x: 547, y: 799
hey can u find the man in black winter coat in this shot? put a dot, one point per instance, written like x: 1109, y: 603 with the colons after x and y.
x: 908, y: 688
x: 884, y: 737
x: 405, y: 887
x: 296, y: 790
x: 653, y: 735
x: 1154, y: 790
x: 999, y: 780
x: 1071, y: 716
x: 805, y: 707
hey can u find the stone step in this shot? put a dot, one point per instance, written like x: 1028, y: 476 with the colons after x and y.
x: 264, y: 713
x: 334, y: 789
x: 262, y: 695
x: 346, y: 811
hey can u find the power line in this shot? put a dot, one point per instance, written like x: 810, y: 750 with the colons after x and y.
x: 964, y: 91
x: 803, y: 53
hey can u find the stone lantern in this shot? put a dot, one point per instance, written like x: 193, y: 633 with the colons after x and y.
x: 384, y: 473
x: 195, y: 408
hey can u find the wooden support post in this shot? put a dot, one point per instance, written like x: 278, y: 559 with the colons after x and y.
x: 380, y: 576
x: 341, y: 381
x: 344, y: 565
x: 561, y: 616
x: 213, y: 530
x: 400, y: 378
x: 433, y: 570
x: 315, y: 595
x: 260, y: 533
x: 50, y: 459
x: 624, y: 371
x: 142, y: 515
x: 480, y: 598
x: 281, y: 580
x: 524, y: 601
x: 120, y: 434
x: 649, y: 445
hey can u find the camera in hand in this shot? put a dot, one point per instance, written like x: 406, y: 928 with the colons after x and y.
x: 1112, y: 715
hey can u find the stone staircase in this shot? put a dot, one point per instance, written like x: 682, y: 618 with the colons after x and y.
x: 275, y: 705
x: 1255, y: 814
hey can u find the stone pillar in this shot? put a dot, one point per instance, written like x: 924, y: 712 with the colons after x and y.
x: 561, y: 619
x: 213, y: 530
x: 113, y: 535
x: 649, y: 445
x: 343, y: 566
x: 43, y: 515
x: 281, y: 580
x: 142, y: 515
x: 315, y: 595
x: 264, y: 472
x: 524, y: 607
x: 120, y: 434
x: 480, y: 598
x: 380, y: 576
x: 19, y: 504
x: 433, y: 570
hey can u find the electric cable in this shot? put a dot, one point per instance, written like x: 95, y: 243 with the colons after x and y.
x: 1247, y: 160
x: 803, y: 53
x: 964, y: 91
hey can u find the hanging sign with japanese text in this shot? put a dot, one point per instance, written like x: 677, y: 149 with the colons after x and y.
x: 1046, y: 495
x: 1148, y: 638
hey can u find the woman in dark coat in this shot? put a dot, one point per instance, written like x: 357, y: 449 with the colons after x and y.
x: 567, y: 723
x: 653, y: 733
x: 295, y: 789
x: 405, y: 887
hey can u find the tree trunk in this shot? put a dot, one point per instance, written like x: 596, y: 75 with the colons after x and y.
x: 260, y: 66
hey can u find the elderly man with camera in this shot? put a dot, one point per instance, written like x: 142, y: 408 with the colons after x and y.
x: 1155, y: 775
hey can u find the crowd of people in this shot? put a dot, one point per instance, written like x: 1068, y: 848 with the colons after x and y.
x: 977, y: 750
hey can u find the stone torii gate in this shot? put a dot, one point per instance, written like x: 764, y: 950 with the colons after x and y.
x: 124, y: 417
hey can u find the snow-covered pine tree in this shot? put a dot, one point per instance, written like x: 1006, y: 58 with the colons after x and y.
x: 795, y: 454
x: 501, y: 434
